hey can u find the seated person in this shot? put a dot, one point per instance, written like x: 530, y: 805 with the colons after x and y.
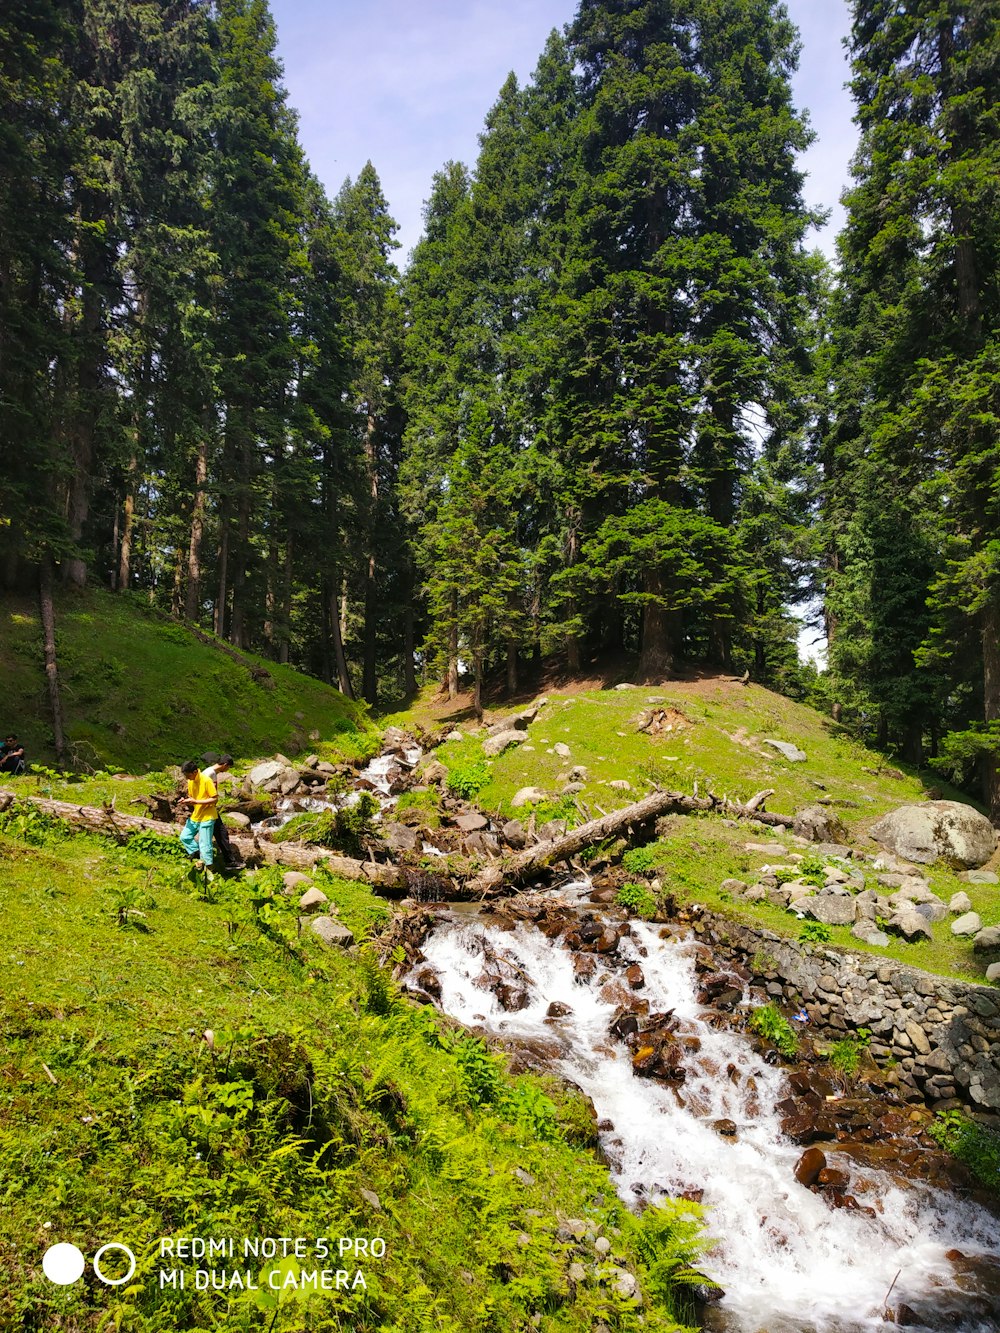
x: 12, y: 758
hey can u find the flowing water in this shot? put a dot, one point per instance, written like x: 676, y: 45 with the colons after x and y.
x: 789, y: 1263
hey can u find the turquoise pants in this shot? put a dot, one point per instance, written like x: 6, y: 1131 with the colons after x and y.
x: 197, y: 839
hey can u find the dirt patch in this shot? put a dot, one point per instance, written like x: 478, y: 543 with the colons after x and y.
x: 662, y: 721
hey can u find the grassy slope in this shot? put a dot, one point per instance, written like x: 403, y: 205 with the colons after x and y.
x: 119, y: 1123
x: 140, y: 692
x: 720, y: 750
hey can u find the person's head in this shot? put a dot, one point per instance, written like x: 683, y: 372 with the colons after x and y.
x: 225, y: 761
x: 10, y: 740
x: 189, y: 768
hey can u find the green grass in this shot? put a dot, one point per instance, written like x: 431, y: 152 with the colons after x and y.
x: 140, y: 692
x: 121, y: 1122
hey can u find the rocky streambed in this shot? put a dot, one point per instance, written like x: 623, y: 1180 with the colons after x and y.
x: 831, y: 1208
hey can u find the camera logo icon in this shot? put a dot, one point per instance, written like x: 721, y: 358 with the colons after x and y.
x: 64, y: 1263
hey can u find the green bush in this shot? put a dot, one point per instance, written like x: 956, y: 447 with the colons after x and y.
x: 636, y: 898
x: 815, y: 932
x: 772, y: 1025
x: 972, y: 1143
x: 468, y: 779
x: 846, y: 1053
x: 637, y: 860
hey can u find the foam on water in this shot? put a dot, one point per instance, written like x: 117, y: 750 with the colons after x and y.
x: 786, y: 1259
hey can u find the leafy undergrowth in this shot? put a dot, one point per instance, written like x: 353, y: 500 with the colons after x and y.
x: 140, y: 692
x: 715, y: 742
x: 179, y: 1061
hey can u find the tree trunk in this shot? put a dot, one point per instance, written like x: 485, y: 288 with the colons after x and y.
x: 192, y: 597
x: 512, y: 666
x: 369, y: 681
x: 991, y: 701
x: 238, y: 620
x: 339, y: 657
x: 45, y: 581
x: 477, y: 676
x: 409, y: 646
x: 453, y: 649
x: 659, y: 632
x: 220, y: 601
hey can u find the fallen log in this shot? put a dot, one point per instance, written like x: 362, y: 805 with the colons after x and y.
x: 391, y: 881
x: 510, y: 874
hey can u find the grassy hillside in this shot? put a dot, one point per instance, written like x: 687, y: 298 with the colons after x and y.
x: 715, y: 741
x: 140, y: 692
x: 178, y: 1060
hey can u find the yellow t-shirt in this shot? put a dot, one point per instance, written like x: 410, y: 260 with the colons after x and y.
x: 204, y: 792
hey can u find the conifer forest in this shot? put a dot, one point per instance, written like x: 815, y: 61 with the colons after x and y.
x: 616, y: 406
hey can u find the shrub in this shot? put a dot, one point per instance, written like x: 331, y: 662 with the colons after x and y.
x: 636, y: 898
x: 972, y: 1143
x: 815, y: 932
x: 468, y: 779
x: 770, y: 1024
x: 637, y: 860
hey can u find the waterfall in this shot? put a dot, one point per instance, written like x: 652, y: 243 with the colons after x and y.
x: 789, y: 1262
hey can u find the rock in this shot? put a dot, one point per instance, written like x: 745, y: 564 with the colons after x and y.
x: 987, y: 939
x: 993, y: 973
x: 287, y: 780
x: 960, y: 902
x: 401, y: 838
x: 454, y: 735
x: 562, y: 750
x: 233, y: 819
x: 513, y: 834
x: 435, y: 772
x: 791, y: 752
x: 528, y: 796
x: 869, y: 933
x: 809, y: 1165
x: 909, y: 923
x: 312, y: 899
x: 576, y: 1273
x: 557, y: 1009
x: 625, y: 685
x: 331, y: 932
x: 470, y: 822
x: 578, y: 773
x: 495, y: 745
x: 967, y: 924
x: 981, y: 877
x: 831, y: 909
x: 622, y: 1280
x: 736, y: 886
x: 261, y: 774
x: 602, y: 1245
x: 818, y: 824
x: 293, y: 880
x: 371, y: 1199
x: 619, y: 784
x: 932, y: 909
x: 634, y: 976
x: 948, y: 829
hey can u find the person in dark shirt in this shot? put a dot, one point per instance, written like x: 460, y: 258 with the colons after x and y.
x: 216, y: 764
x: 12, y: 758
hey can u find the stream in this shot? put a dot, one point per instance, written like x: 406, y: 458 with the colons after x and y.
x: 788, y: 1262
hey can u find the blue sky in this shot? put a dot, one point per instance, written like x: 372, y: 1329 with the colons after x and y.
x: 408, y: 83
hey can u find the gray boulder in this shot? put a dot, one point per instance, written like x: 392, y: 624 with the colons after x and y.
x: 791, y: 752
x: 935, y: 829
x: 960, y: 902
x: 312, y: 900
x: 495, y: 745
x: 869, y: 933
x: 909, y: 923
x: 819, y: 824
x: 261, y: 774
x: 331, y: 932
x: 987, y: 939
x: 968, y: 924
x: 831, y: 909
x: 528, y: 796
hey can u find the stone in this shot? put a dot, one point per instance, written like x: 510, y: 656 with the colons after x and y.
x: 576, y: 1273
x: 468, y: 823
x: 736, y: 886
x: 528, y: 796
x: 371, y: 1199
x: 294, y: 880
x: 435, y: 771
x: 495, y: 745
x: 557, y: 1009
x: 909, y: 923
x: 311, y: 761
x: 831, y: 910
x: 987, y: 939
x: 261, y: 774
x: 454, y: 735
x: 233, y: 819
x: 401, y: 838
x: 562, y: 749
x: 331, y: 932
x: 625, y: 685
x: 960, y: 902
x: 918, y: 1039
x: 967, y: 924
x: 287, y: 780
x: 513, y: 834
x: 602, y: 1245
x: 818, y: 824
x: 869, y: 933
x: 312, y: 899
x: 981, y: 877
x: 933, y: 909
x: 993, y: 973
x: 809, y: 1165
x: 791, y: 752
x: 947, y: 829
x: 619, y: 784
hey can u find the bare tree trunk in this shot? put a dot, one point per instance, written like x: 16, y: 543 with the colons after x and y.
x: 409, y: 644
x: 192, y: 599
x: 453, y: 649
x: 238, y: 621
x: 285, y: 629
x: 339, y: 656
x: 511, y: 666
x: 369, y: 681
x: 659, y: 630
x: 45, y: 581
x: 991, y: 701
x: 573, y: 660
x: 477, y: 676
x: 220, y: 602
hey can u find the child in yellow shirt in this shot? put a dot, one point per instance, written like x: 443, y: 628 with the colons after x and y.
x: 203, y: 799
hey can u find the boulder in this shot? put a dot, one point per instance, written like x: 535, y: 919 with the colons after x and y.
x: 495, y: 745
x: 909, y: 923
x: 261, y: 774
x: 993, y: 973
x: 947, y: 829
x: 514, y: 835
x: 968, y: 924
x: 867, y: 931
x: 454, y: 735
x: 831, y: 909
x: 981, y: 877
x: 959, y: 902
x: 286, y: 781
x: 562, y: 749
x: 528, y: 796
x: 791, y: 752
x: 818, y: 824
x: 331, y: 932
x: 468, y: 823
x: 401, y: 838
x: 809, y: 1165
x: 233, y: 819
x: 987, y: 939
x: 312, y: 900
x: 294, y: 880
x: 435, y: 772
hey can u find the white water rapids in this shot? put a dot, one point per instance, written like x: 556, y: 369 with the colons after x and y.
x: 788, y: 1262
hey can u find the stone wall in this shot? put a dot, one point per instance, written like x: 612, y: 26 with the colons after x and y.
x: 944, y: 1035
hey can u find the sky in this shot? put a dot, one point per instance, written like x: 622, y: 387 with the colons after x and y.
x: 408, y: 83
